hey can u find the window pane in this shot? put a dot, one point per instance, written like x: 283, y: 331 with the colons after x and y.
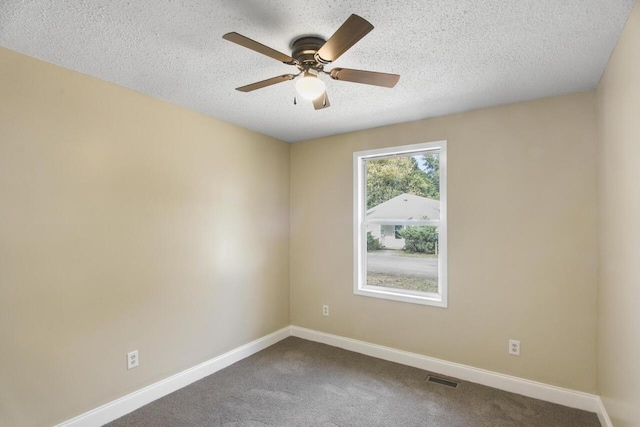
x: 403, y: 257
x: 401, y: 217
x: 403, y: 182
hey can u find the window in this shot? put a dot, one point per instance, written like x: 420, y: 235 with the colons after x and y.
x: 400, y: 223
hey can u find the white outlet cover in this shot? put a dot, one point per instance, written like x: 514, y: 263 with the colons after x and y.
x: 514, y: 347
x: 325, y: 310
x: 132, y: 359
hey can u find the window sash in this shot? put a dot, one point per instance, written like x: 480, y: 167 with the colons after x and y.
x: 360, y: 226
x: 433, y: 222
x: 409, y: 153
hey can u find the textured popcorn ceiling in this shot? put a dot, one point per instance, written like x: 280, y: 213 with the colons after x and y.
x: 452, y: 55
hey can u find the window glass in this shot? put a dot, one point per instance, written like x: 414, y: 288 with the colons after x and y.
x: 400, y: 224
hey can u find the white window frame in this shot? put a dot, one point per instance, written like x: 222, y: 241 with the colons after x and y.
x: 360, y: 286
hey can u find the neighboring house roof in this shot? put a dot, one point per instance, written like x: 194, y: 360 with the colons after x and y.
x: 405, y: 207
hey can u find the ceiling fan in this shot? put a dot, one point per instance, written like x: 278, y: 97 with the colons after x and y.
x: 311, y: 54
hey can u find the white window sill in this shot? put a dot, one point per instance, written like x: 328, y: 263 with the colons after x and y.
x: 422, y: 298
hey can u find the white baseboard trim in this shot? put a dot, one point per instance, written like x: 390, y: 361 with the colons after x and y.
x: 603, y: 416
x: 537, y: 390
x: 122, y: 406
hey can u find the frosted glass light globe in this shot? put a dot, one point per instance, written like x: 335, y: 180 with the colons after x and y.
x: 310, y: 87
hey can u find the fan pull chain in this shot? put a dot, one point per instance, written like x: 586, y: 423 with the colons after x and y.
x: 324, y: 99
x: 294, y: 101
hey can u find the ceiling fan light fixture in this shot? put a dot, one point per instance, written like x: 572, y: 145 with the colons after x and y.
x: 310, y: 86
x: 310, y: 54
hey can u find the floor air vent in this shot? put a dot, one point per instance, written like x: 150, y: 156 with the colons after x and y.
x: 442, y: 381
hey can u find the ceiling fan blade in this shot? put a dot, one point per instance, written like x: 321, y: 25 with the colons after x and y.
x: 353, y: 29
x: 265, y: 83
x: 258, y: 47
x: 321, y: 102
x: 366, y: 77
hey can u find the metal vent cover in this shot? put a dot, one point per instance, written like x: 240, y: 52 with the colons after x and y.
x: 442, y: 381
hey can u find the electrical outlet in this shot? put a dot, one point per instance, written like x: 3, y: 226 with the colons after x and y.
x: 132, y: 359
x: 514, y: 347
x: 325, y: 310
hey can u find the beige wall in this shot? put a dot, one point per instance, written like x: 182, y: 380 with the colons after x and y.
x: 522, y: 241
x: 619, y: 207
x: 129, y: 223
x: 126, y: 223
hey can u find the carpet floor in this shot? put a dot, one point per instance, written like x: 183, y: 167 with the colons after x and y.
x: 302, y: 383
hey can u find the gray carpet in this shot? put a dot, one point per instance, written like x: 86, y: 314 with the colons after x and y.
x: 302, y: 383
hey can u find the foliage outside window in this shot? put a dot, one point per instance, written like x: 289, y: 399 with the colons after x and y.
x: 400, y: 223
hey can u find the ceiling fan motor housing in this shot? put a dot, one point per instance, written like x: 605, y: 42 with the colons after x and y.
x: 304, y: 51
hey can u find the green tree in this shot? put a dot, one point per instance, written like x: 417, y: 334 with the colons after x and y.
x: 388, y: 178
x: 373, y: 244
x: 420, y: 238
x: 431, y: 165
